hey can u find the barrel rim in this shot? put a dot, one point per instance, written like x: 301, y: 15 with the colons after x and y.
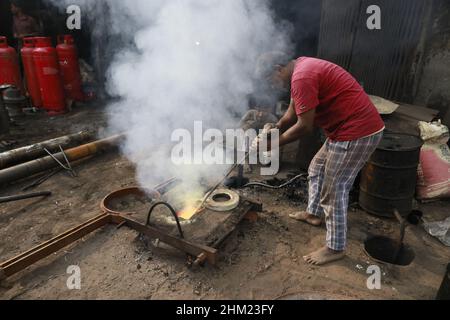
x: 415, y: 148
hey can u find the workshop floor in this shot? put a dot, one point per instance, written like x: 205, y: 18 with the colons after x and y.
x: 261, y: 260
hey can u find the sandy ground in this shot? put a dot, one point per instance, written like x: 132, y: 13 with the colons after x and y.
x: 261, y: 260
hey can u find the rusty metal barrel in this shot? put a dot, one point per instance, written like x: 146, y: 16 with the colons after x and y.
x: 389, y: 180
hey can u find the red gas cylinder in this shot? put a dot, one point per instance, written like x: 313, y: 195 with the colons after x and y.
x: 9, y: 65
x: 30, y: 72
x: 70, y: 67
x: 49, y: 76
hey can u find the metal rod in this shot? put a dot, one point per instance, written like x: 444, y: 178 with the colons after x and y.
x: 401, y: 236
x: 68, y: 162
x: 172, y: 210
x: 56, y: 160
x: 42, y: 179
x: 47, y: 248
x: 25, y: 196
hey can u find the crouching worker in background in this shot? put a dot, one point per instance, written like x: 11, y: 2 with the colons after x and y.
x: 24, y: 24
x: 325, y: 95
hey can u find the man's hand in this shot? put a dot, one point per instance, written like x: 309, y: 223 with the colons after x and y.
x: 255, y: 144
x: 264, y: 136
x: 270, y: 126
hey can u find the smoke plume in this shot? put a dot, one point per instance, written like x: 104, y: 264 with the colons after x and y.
x: 184, y: 61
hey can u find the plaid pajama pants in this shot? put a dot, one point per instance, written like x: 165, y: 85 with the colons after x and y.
x: 332, y: 174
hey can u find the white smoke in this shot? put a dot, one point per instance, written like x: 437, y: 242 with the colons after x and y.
x: 189, y: 60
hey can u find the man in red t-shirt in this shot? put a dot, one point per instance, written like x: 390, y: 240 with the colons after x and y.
x: 325, y: 95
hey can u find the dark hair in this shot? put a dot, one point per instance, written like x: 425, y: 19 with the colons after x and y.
x: 268, y: 62
x: 28, y: 7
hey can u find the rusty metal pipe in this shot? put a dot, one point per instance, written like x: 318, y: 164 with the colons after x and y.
x: 32, y: 152
x: 39, y: 165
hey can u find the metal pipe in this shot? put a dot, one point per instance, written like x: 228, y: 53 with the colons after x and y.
x: 25, y: 196
x: 32, y: 152
x: 39, y: 165
x: 401, y: 238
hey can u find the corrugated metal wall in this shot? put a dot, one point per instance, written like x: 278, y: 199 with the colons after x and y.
x: 383, y: 60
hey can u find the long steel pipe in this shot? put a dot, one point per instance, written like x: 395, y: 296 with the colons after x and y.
x: 32, y: 152
x: 39, y: 165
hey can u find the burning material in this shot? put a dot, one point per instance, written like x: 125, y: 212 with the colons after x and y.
x: 136, y: 202
x: 189, y: 212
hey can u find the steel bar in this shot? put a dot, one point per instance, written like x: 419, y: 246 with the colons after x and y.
x: 32, y: 152
x: 36, y: 166
x: 25, y: 196
x: 47, y: 248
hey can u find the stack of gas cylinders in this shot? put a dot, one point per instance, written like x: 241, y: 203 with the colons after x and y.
x: 52, y: 74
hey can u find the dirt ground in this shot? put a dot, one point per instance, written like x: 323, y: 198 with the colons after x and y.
x: 261, y: 260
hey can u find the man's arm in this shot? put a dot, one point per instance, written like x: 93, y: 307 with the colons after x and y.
x: 289, y: 119
x: 304, y: 124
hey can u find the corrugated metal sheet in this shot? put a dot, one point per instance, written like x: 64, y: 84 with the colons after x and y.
x: 338, y: 26
x: 382, y: 60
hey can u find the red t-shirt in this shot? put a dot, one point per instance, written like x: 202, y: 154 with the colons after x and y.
x: 343, y: 109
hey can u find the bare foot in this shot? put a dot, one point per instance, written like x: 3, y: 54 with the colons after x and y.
x: 306, y: 217
x: 324, y: 256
